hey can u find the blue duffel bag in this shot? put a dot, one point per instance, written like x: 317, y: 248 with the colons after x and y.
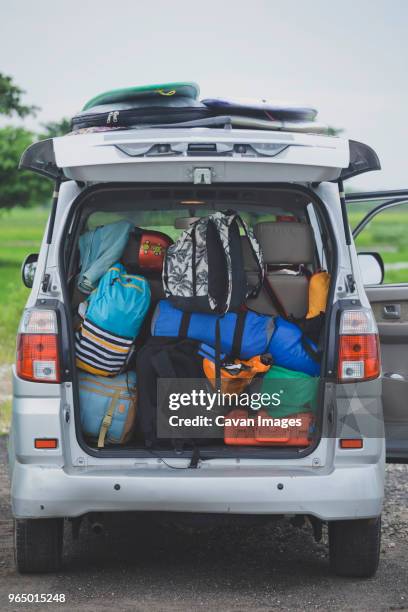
x: 291, y: 349
x: 244, y: 335
x: 107, y: 407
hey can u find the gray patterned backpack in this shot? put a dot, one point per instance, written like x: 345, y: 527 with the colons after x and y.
x: 204, y: 269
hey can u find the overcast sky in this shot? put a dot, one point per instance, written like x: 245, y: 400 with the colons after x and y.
x: 349, y: 58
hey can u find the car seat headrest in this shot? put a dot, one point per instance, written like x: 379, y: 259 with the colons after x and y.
x: 184, y: 223
x: 285, y: 243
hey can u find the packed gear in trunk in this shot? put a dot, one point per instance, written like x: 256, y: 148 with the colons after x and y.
x: 241, y: 339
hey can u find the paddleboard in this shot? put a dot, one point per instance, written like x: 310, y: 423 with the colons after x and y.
x: 308, y: 127
x: 82, y: 124
x: 264, y: 109
x: 163, y: 90
x: 248, y: 123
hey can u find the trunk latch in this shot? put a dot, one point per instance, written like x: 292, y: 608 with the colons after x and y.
x: 202, y: 176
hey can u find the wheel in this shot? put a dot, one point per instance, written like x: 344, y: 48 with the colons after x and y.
x: 354, y: 547
x: 38, y: 545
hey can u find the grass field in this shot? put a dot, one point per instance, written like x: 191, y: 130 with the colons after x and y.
x: 21, y: 233
x: 388, y: 235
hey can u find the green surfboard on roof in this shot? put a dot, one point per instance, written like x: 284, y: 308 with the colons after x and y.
x: 187, y: 90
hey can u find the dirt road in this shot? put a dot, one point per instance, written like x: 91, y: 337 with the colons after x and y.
x: 140, y: 565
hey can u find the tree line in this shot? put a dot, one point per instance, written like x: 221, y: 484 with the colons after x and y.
x: 19, y: 187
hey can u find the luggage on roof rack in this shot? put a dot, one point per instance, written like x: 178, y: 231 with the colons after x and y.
x: 144, y: 111
x: 153, y: 92
x: 166, y: 103
x: 260, y: 109
x: 175, y: 104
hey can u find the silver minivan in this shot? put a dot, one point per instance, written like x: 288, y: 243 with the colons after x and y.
x: 154, y: 177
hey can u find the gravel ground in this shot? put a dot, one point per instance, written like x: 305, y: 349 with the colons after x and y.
x: 142, y: 565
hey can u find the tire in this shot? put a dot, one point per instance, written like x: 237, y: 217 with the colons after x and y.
x: 354, y: 547
x: 38, y: 545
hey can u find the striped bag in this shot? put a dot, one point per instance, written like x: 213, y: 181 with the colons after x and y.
x: 114, y: 315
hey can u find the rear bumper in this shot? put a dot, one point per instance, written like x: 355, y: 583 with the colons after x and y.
x: 344, y: 493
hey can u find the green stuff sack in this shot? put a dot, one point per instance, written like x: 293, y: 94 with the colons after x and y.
x: 297, y: 391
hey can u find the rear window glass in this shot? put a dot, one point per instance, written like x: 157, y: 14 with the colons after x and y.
x: 164, y: 221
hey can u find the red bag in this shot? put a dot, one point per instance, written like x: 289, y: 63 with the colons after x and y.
x: 261, y: 433
x: 145, y: 251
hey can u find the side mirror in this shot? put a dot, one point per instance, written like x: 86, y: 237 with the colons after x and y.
x: 28, y: 269
x: 371, y: 267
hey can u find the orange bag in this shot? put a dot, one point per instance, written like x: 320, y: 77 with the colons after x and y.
x: 294, y: 435
x: 239, y: 434
x: 237, y: 374
x: 318, y: 291
x: 262, y: 433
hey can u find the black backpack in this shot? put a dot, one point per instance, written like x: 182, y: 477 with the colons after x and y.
x: 204, y: 269
x: 166, y: 358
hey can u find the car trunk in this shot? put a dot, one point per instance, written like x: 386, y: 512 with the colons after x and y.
x: 273, y: 208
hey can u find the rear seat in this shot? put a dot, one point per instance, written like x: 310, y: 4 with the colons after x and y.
x: 283, y: 244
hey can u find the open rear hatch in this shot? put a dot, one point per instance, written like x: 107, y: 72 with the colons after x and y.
x: 199, y: 155
x: 154, y: 160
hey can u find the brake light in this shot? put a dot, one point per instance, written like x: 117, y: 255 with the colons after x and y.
x: 359, y: 350
x: 37, y: 346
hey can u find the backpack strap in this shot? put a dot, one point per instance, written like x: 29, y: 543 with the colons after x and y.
x: 238, y: 333
x: 277, y: 304
x: 195, y: 456
x: 107, y: 419
x: 254, y: 291
x: 217, y: 355
x: 193, y: 258
x: 184, y: 325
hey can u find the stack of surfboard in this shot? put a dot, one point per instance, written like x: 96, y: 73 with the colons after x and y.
x: 178, y: 105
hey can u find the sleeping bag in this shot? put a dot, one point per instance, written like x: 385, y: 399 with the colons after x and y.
x: 242, y: 335
x: 291, y: 349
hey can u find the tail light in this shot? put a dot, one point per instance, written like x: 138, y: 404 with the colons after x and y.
x: 359, y: 350
x: 37, y: 346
